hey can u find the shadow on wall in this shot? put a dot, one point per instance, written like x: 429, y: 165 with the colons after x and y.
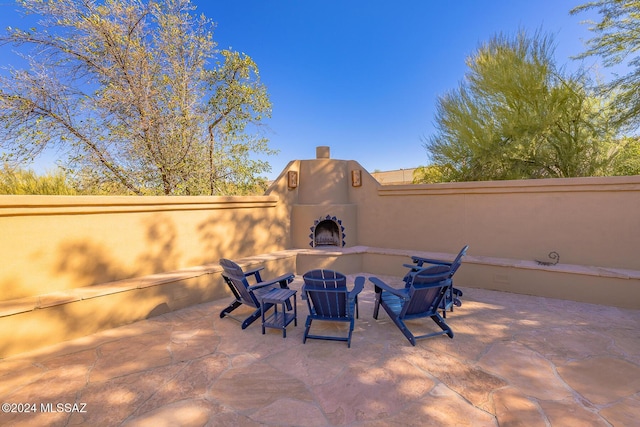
x: 88, y: 262
x: 239, y: 234
x: 229, y: 233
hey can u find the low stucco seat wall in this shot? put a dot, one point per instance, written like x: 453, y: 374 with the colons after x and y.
x: 33, y: 322
x: 37, y: 321
x: 595, y: 285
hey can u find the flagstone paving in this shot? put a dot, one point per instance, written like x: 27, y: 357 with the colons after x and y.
x: 514, y: 361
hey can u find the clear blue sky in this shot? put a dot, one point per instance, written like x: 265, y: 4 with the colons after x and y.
x: 363, y: 76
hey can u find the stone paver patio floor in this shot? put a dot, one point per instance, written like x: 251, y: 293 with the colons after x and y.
x: 514, y: 360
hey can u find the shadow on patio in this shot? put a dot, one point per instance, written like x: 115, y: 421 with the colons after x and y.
x: 514, y: 360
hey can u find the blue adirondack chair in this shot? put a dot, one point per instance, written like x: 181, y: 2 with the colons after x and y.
x: 453, y: 294
x: 250, y: 294
x: 328, y: 299
x: 421, y: 298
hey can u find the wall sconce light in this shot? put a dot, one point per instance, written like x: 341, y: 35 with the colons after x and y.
x: 292, y: 179
x: 356, y: 178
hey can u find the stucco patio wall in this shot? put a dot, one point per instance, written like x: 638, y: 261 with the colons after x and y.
x: 592, y: 223
x: 587, y: 221
x: 56, y: 243
x: 74, y: 265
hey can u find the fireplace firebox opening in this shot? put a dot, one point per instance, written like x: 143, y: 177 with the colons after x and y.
x: 327, y: 231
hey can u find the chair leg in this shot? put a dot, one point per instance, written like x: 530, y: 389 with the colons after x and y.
x: 443, y: 325
x: 306, y: 329
x: 230, y: 308
x: 255, y: 316
x: 457, y: 293
x: 405, y: 331
x: 376, y: 307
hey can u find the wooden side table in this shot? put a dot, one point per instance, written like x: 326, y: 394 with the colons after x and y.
x: 279, y: 319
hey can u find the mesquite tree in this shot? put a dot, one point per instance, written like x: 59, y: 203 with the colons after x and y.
x: 137, y: 97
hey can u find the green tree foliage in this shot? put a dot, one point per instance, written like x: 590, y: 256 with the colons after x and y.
x: 27, y: 182
x: 517, y: 116
x: 617, y: 40
x: 627, y: 161
x: 137, y: 96
x: 428, y: 175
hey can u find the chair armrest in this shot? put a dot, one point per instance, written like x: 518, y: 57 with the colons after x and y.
x: 254, y: 272
x: 283, y: 280
x: 259, y: 286
x: 381, y: 286
x: 419, y: 260
x: 357, y: 287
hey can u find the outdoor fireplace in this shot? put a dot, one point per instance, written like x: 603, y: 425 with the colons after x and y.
x: 322, y: 202
x: 327, y: 231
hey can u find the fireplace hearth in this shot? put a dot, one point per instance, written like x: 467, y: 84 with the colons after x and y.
x: 327, y: 231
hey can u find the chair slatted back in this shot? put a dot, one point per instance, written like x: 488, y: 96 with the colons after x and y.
x: 235, y: 277
x: 327, y: 293
x: 426, y: 290
x: 458, y: 261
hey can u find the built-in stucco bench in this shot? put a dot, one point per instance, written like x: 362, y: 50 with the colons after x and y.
x: 471, y: 259
x: 598, y: 285
x: 36, y: 321
x: 22, y: 305
x: 351, y: 260
x: 67, y: 314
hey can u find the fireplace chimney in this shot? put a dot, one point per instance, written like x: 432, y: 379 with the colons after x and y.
x: 323, y: 152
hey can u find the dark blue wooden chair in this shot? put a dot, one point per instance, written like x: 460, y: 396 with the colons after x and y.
x: 328, y: 299
x: 250, y: 294
x: 452, y: 298
x: 421, y: 298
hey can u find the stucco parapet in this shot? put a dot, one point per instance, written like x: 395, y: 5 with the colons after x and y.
x: 64, y: 205
x: 552, y: 185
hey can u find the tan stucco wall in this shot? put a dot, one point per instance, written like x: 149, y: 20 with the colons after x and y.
x: 593, y: 223
x: 51, y: 243
x: 588, y: 221
x: 59, y: 253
